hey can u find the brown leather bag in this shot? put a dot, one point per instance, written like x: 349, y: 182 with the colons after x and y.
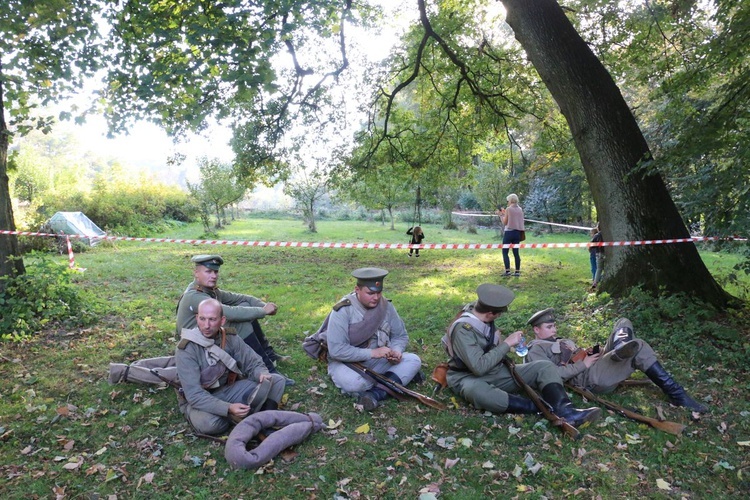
x: 440, y: 375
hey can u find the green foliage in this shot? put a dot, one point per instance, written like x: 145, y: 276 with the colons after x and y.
x: 218, y: 188
x: 125, y: 207
x: 44, y: 298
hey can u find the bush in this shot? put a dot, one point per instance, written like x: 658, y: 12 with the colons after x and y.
x: 43, y: 297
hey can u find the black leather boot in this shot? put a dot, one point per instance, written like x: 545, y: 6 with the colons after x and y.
x: 555, y: 396
x: 269, y: 405
x: 674, y: 391
x: 521, y: 405
x: 372, y: 398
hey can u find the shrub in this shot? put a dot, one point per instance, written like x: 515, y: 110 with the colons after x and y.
x: 43, y: 297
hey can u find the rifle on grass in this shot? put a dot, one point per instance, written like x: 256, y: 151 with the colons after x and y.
x: 556, y: 421
x: 394, y: 388
x: 662, y: 425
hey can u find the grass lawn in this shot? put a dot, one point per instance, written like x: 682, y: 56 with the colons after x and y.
x: 66, y: 433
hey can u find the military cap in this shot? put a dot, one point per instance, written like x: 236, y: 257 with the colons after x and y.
x: 543, y: 316
x: 371, y: 277
x: 495, y: 297
x: 210, y: 261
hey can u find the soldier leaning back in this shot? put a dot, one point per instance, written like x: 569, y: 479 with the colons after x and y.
x: 242, y: 311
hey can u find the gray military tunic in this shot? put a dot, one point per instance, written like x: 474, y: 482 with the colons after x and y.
x: 604, y: 375
x: 239, y: 309
x: 477, y: 372
x: 207, y: 410
x: 391, y: 333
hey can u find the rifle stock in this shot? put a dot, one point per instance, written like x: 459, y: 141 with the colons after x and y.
x: 662, y: 425
x: 396, y: 387
x: 556, y: 421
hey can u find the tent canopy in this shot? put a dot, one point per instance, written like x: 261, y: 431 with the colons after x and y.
x: 76, y: 223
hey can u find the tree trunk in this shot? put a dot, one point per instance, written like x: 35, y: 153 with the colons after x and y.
x: 8, y: 243
x: 632, y: 204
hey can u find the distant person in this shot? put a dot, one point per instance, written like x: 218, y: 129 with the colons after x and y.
x: 601, y: 372
x: 222, y: 379
x: 596, y: 256
x: 242, y: 311
x: 512, y: 218
x: 364, y: 327
x: 417, y: 235
x: 476, y: 370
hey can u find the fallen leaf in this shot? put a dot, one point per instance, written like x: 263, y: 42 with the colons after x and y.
x: 743, y: 443
x: 72, y: 465
x: 362, y: 429
x: 488, y: 465
x: 663, y: 485
x: 147, y: 478
x: 332, y: 424
x: 288, y: 455
x: 465, y: 442
x: 450, y: 462
x: 69, y: 445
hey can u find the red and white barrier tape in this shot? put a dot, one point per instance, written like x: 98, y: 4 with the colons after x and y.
x: 398, y: 246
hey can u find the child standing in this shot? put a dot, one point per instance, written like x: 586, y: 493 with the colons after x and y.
x: 417, y: 235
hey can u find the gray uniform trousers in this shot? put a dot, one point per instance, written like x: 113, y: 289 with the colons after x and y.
x: 490, y: 391
x: 352, y: 382
x: 604, y: 375
x: 211, y: 423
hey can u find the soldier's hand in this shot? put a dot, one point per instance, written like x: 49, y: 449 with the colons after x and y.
x: 380, y: 352
x: 514, y: 338
x: 270, y: 308
x: 393, y: 357
x: 239, y: 410
x: 264, y: 376
x: 590, y: 359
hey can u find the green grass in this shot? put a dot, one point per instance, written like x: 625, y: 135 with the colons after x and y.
x: 57, y: 407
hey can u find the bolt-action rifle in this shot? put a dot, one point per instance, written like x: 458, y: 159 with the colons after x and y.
x: 395, y: 387
x: 556, y: 421
x: 662, y: 425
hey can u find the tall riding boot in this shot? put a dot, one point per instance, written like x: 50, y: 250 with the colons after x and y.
x: 674, y: 391
x: 555, y: 395
x: 521, y: 405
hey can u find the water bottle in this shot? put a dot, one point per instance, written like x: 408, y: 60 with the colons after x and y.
x: 521, y: 348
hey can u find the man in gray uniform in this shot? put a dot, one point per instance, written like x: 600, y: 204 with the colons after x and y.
x: 242, y: 311
x: 223, y: 380
x: 364, y: 327
x: 477, y: 372
x: 602, y: 372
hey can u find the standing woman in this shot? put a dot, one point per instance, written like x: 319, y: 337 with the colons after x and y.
x: 512, y: 218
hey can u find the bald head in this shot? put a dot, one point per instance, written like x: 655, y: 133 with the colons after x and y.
x: 210, y: 317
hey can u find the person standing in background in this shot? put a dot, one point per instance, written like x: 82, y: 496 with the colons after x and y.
x: 417, y: 235
x: 596, y: 257
x: 512, y: 218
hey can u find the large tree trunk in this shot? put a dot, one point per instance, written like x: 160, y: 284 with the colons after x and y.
x: 632, y: 204
x: 8, y: 243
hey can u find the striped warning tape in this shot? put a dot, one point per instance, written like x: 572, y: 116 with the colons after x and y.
x: 428, y: 246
